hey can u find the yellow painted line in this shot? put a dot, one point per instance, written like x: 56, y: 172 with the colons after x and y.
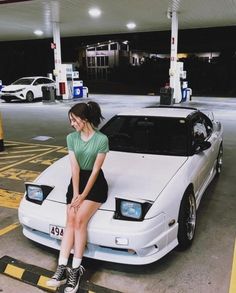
x: 19, y: 174
x: 42, y: 283
x: 33, y: 144
x: 9, y: 228
x: 64, y: 151
x: 14, y: 271
x: 26, y: 147
x: 30, y: 151
x: 10, y: 199
x: 31, y: 158
x: 8, y: 162
x: 42, y: 161
x: 12, y: 157
x: 232, y: 288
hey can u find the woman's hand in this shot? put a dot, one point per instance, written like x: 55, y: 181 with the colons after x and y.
x: 76, y: 201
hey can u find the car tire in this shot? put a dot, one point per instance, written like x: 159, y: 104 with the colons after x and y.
x: 29, y: 96
x: 187, y: 220
x: 219, y: 161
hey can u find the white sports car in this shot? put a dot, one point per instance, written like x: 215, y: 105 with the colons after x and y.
x: 161, y: 160
x: 25, y: 88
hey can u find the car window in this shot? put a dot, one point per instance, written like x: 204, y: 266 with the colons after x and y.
x: 152, y: 135
x: 23, y: 81
x: 39, y: 81
x: 47, y: 81
x: 208, y: 124
x: 202, y: 128
x: 199, y: 131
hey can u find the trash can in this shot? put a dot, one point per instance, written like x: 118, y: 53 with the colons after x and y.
x: 166, y: 96
x: 85, y: 92
x: 48, y: 93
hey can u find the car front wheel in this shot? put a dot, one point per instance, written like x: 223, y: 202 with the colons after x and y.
x: 29, y: 96
x: 187, y: 220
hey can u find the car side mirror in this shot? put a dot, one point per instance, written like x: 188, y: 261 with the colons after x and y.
x: 202, y: 146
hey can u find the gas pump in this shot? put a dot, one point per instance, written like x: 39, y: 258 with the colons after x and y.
x: 64, y: 81
x: 77, y: 85
x: 68, y: 82
x: 180, y: 84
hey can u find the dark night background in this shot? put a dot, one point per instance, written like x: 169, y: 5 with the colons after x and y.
x: 35, y: 57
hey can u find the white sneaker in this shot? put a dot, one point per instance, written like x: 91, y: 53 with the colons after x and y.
x: 73, y: 280
x: 59, y: 278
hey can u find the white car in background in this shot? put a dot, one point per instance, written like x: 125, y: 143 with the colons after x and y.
x: 161, y: 161
x: 25, y: 88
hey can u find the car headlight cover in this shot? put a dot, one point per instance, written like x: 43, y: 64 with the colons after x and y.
x: 131, y: 210
x: 37, y: 193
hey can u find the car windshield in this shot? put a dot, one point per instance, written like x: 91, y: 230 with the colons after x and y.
x: 23, y: 81
x: 150, y: 135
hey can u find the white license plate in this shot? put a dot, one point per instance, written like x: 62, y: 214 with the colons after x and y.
x: 56, y: 231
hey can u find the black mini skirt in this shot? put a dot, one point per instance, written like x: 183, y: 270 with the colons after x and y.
x: 99, y: 191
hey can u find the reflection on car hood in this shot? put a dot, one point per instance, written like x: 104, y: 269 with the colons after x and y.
x: 14, y: 87
x: 129, y: 175
x: 138, y: 176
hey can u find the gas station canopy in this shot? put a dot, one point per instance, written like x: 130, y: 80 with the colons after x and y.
x: 20, y: 20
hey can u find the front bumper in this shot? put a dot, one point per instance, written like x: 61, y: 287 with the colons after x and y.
x: 143, y: 242
x: 11, y: 96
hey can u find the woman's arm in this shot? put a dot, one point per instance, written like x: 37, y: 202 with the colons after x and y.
x: 96, y: 168
x: 75, y: 170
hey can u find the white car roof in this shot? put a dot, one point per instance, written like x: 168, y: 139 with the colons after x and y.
x: 34, y: 77
x: 160, y: 112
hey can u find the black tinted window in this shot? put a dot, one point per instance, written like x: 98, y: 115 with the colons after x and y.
x: 23, y: 81
x: 152, y: 135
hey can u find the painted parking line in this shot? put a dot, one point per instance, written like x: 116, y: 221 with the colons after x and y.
x: 17, y: 153
x: 10, y: 199
x: 38, y: 277
x: 9, y: 228
x: 19, y: 174
x: 42, y: 161
x: 232, y: 288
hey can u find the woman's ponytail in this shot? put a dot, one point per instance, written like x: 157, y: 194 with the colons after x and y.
x: 94, y: 113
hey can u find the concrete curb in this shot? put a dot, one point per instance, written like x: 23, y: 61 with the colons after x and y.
x: 38, y: 277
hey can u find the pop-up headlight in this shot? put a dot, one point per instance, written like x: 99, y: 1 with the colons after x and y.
x: 131, y: 210
x: 37, y: 193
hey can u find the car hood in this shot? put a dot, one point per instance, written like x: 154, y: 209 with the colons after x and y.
x: 131, y: 176
x: 13, y: 87
x: 138, y: 176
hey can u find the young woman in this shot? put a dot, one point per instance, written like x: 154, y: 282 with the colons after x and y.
x: 86, y: 192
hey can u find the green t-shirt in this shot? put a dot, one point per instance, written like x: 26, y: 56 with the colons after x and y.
x: 86, y: 151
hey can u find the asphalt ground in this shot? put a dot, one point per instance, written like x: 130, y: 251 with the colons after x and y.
x: 34, y: 138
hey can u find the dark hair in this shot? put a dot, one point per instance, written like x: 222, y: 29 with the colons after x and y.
x: 90, y: 111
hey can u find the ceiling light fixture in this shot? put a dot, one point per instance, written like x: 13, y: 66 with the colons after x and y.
x: 95, y: 12
x: 38, y: 32
x: 131, y: 25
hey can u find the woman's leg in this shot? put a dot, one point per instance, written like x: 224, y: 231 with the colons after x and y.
x: 60, y: 276
x: 68, y: 237
x: 83, y: 215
